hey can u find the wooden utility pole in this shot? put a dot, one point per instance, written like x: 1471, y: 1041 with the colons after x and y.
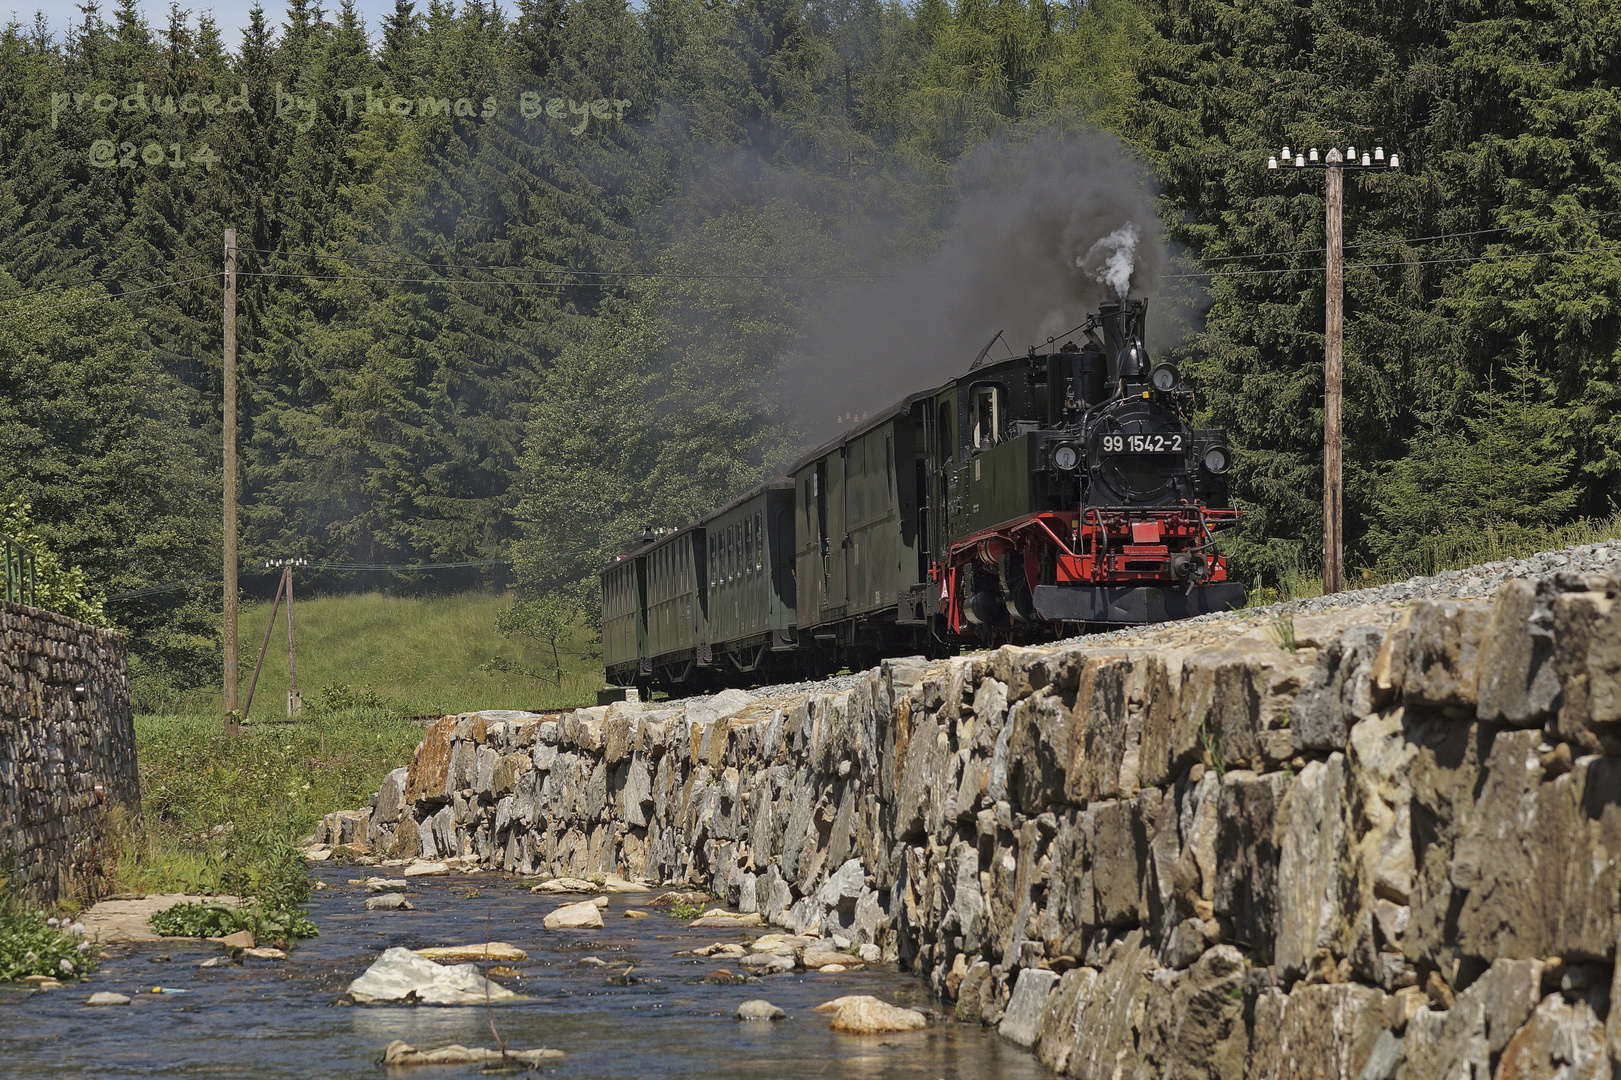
x: 230, y: 478
x: 264, y: 646
x: 1334, y: 163
x: 294, y: 704
x: 1333, y: 375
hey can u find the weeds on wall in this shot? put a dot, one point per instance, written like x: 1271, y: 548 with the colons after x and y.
x: 33, y: 943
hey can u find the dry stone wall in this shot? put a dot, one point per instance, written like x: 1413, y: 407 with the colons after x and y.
x: 1391, y: 851
x: 67, y: 750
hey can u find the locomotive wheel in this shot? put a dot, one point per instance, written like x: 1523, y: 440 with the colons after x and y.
x: 1015, y: 588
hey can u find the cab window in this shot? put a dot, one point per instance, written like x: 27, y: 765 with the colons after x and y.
x: 986, y: 416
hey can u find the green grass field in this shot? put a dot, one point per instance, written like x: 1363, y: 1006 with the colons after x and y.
x: 417, y: 655
x: 216, y: 806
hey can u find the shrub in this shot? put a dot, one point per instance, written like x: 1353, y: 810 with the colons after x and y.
x: 211, y: 919
x: 31, y: 944
x: 341, y: 697
x: 207, y: 920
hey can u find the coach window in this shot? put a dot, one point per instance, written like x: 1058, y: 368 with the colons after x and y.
x: 987, y: 416
x: 889, y: 473
x: 759, y: 543
x: 748, y: 545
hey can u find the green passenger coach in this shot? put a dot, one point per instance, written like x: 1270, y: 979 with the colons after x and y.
x: 701, y: 605
x: 858, y: 547
x: 624, y: 621
x: 751, y: 582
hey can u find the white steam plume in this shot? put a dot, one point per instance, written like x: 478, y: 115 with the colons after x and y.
x: 1113, y: 258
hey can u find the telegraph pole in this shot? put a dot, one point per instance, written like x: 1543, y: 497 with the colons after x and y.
x: 1334, y: 164
x: 295, y: 704
x: 230, y: 479
x: 1333, y: 376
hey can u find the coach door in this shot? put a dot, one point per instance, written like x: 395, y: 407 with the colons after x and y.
x: 838, y: 530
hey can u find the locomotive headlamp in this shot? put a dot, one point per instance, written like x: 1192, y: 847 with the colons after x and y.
x: 1066, y: 456
x: 1216, y: 460
x: 1165, y: 377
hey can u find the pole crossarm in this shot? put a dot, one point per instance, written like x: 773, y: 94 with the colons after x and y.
x: 1335, y: 160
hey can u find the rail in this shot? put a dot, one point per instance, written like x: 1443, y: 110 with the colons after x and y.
x: 20, y: 575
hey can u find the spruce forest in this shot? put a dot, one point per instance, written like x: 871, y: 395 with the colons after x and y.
x: 516, y: 280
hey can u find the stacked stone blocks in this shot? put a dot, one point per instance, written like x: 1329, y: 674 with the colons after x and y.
x: 1391, y: 851
x: 65, y: 727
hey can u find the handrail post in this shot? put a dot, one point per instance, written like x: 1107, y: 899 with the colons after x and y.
x: 21, y: 586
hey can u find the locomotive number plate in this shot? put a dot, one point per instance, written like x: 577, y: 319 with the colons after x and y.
x: 1142, y: 444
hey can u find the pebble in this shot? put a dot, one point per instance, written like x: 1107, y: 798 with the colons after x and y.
x: 760, y: 1009
x: 765, y: 963
x: 425, y: 869
x: 390, y: 901
x: 864, y: 1015
x: 400, y: 1052
x: 719, y: 917
x: 585, y: 916
x: 107, y: 997
x: 482, y: 951
x: 565, y: 885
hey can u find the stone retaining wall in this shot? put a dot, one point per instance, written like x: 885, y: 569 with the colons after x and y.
x: 1393, y: 850
x: 65, y: 729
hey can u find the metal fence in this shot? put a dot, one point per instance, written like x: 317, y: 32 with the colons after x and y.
x: 19, y: 563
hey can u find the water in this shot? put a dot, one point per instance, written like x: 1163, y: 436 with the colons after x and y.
x: 282, y: 1019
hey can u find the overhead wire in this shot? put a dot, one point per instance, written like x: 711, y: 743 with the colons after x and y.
x: 1418, y: 239
x: 183, y: 253
x: 498, y: 268
x: 617, y: 278
x: 1400, y: 262
x: 249, y: 569
x: 104, y: 296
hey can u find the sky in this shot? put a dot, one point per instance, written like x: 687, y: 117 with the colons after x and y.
x: 231, y: 15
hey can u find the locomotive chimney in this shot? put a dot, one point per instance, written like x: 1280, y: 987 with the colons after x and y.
x: 1122, y: 324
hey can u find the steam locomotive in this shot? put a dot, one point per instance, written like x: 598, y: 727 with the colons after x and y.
x: 1029, y: 499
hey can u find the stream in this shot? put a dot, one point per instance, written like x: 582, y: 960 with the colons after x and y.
x: 283, y: 1018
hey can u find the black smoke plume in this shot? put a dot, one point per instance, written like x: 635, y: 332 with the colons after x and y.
x: 1041, y: 232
